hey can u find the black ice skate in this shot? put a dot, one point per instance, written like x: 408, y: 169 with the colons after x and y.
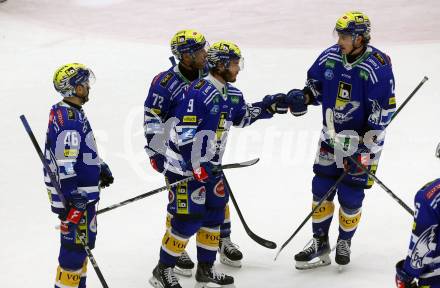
x: 319, y: 249
x: 343, y: 251
x: 229, y: 253
x: 163, y: 277
x: 207, y: 277
x: 184, y: 265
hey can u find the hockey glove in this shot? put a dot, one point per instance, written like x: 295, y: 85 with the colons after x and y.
x: 275, y: 103
x: 157, y: 161
x: 403, y: 279
x: 203, y: 173
x: 296, y: 101
x: 363, y: 157
x: 74, y: 213
x: 105, y: 177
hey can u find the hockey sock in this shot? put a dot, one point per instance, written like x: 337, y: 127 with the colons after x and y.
x: 207, y: 244
x: 172, y: 247
x: 348, y: 222
x: 67, y: 279
x: 322, y: 217
x: 225, y: 228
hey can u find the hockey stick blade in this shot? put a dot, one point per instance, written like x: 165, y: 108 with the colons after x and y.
x: 263, y: 242
x: 163, y: 188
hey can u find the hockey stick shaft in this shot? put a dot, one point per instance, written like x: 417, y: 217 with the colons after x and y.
x: 57, y: 187
x: 326, y: 195
x: 371, y: 174
x: 252, y: 235
x: 172, y: 185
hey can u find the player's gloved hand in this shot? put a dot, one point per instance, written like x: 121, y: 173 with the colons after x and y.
x: 296, y: 101
x: 275, y: 103
x: 73, y: 214
x: 204, y: 173
x: 105, y: 177
x: 403, y: 279
x: 157, y: 161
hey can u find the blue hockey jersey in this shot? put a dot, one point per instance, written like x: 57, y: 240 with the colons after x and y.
x: 165, y: 91
x: 360, y: 94
x: 423, y: 260
x: 71, y: 153
x: 204, y: 117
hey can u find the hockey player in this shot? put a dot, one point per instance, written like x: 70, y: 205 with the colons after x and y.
x: 354, y: 83
x: 204, y: 117
x: 71, y: 153
x: 423, y: 257
x: 166, y: 89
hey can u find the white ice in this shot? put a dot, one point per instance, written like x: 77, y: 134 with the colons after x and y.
x: 125, y: 42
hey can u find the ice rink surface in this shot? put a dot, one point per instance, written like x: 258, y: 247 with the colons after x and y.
x: 126, y: 45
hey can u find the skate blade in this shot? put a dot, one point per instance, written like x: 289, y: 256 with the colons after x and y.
x: 183, y: 272
x: 155, y: 283
x: 212, y: 285
x: 226, y: 261
x: 321, y: 262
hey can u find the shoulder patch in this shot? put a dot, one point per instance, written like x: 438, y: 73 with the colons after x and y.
x: 379, y: 58
x: 199, y: 84
x: 433, y: 191
x: 70, y: 114
x: 60, y: 117
x: 166, y: 79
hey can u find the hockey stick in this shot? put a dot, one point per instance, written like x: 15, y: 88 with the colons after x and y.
x: 256, y: 238
x: 326, y: 195
x: 371, y: 174
x: 166, y: 187
x: 331, y: 128
x: 57, y: 187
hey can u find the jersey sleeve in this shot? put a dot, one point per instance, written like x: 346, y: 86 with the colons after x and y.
x: 315, y: 75
x: 156, y: 108
x: 381, y: 101
x: 424, y: 238
x: 247, y: 113
x: 63, y: 146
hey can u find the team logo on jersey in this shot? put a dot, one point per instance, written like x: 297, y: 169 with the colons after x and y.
x: 219, y: 189
x: 425, y: 244
x: 363, y: 74
x: 328, y: 74
x: 70, y: 114
x: 199, y: 196
x: 234, y: 99
x: 344, y: 113
x: 330, y: 63
x: 166, y: 79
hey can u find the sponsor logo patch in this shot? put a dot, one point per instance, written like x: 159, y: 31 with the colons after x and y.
x: 199, y: 84
x: 190, y: 119
x: 166, y: 79
x: 70, y: 114
x: 219, y: 189
x: 328, y: 74
x: 199, y: 196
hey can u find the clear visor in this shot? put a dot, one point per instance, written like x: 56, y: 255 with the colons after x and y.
x: 437, y: 151
x: 241, y: 63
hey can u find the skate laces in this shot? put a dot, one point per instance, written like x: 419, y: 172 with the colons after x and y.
x: 343, y: 247
x: 217, y: 275
x: 185, y: 257
x: 228, y: 245
x: 170, y: 277
x: 311, y: 246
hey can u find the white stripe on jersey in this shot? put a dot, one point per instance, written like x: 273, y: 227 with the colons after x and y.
x: 370, y: 71
x: 210, y: 97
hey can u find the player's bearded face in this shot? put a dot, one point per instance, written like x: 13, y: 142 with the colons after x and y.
x: 230, y: 74
x: 83, y: 92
